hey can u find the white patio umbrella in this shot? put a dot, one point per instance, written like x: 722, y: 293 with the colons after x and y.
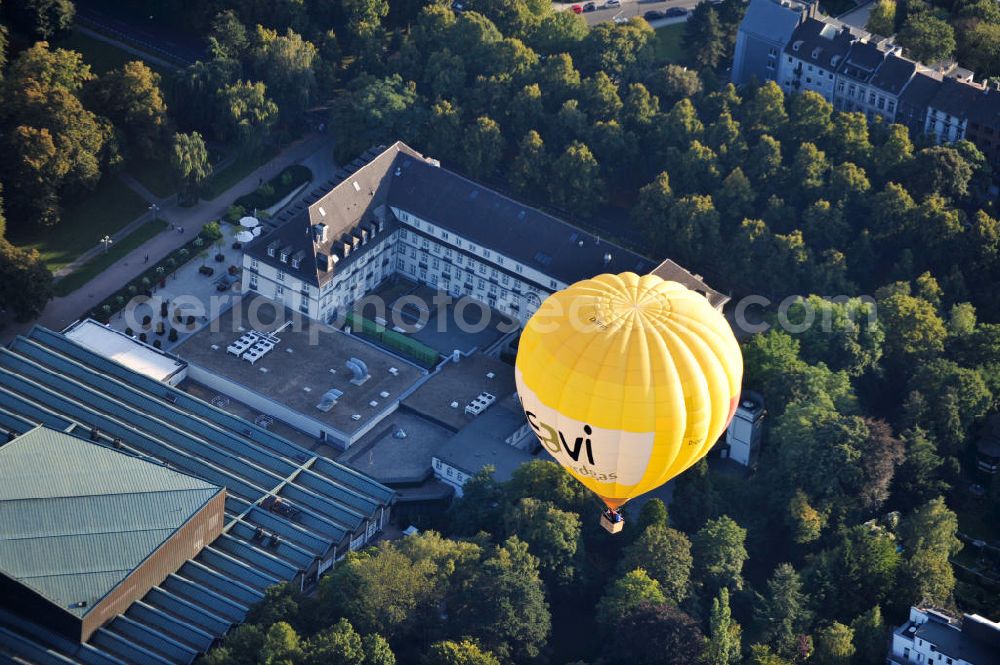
x: 244, y: 236
x: 249, y: 222
x: 257, y: 230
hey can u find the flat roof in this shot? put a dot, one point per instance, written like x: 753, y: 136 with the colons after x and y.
x: 308, y: 360
x: 482, y: 442
x: 76, y: 517
x: 461, y: 382
x: 389, y: 459
x: 116, y: 345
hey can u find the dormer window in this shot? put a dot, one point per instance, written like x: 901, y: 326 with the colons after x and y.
x: 284, y: 257
x: 295, y: 263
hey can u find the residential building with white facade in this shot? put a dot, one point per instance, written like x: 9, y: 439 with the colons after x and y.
x: 402, y: 213
x: 933, y: 638
x: 860, y: 72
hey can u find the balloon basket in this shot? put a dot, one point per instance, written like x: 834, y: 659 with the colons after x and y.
x: 612, y: 522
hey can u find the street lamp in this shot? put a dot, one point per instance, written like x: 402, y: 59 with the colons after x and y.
x: 155, y: 209
x: 106, y: 241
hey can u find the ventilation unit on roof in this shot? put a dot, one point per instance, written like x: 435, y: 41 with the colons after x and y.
x: 393, y: 371
x: 607, y: 258
x: 319, y: 232
x: 322, y: 211
x: 359, y: 369
x: 357, y: 187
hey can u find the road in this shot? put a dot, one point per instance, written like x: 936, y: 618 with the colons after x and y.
x: 629, y: 9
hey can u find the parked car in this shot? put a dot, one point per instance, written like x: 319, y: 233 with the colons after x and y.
x: 654, y: 14
x: 613, y: 3
x: 577, y: 9
x: 674, y: 12
x: 590, y: 7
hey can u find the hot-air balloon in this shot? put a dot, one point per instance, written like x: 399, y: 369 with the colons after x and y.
x: 627, y: 381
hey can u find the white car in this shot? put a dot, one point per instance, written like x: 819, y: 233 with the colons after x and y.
x: 613, y: 3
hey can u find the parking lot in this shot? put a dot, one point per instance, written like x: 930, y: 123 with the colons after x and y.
x: 627, y: 9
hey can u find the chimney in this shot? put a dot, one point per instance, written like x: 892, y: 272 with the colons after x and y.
x: 319, y: 233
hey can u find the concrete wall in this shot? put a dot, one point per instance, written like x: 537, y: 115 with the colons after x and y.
x: 201, y: 529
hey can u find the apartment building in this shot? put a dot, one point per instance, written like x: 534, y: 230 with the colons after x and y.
x: 860, y: 72
x: 402, y: 213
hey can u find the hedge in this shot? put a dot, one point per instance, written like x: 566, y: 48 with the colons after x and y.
x: 409, y: 347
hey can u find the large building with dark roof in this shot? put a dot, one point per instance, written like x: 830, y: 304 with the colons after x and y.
x: 402, y: 213
x: 85, y: 530
x: 287, y: 513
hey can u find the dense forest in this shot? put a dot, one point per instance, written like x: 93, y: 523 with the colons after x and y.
x: 869, y: 451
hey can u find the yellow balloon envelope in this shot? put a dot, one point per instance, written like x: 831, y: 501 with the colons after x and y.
x: 627, y: 381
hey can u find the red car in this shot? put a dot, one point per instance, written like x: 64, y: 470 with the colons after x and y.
x: 577, y: 9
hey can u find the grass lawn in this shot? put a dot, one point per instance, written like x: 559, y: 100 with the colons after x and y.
x: 103, y: 57
x: 99, y: 263
x: 155, y: 175
x: 232, y: 174
x: 668, y: 45
x: 108, y: 208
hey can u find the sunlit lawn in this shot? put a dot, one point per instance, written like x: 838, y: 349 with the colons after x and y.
x: 668, y: 44
x: 102, y: 261
x: 110, y: 207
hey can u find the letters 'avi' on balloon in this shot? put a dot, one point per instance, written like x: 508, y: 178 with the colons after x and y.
x: 627, y: 381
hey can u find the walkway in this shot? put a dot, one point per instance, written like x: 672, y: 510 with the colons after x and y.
x: 313, y: 150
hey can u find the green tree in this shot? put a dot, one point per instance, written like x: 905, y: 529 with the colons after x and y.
x: 665, y: 555
x: 652, y: 206
x: 834, y: 645
x: 558, y: 80
x: 526, y: 111
x: 52, y: 143
x: 941, y: 170
x: 640, y: 107
x: 761, y: 654
x: 957, y: 397
x: 895, y: 152
x: 558, y: 32
x: 719, y: 549
x: 928, y: 538
x: 810, y: 117
x: 704, y: 43
x: 338, y: 645
x: 600, y: 98
x: 377, y: 650
x: 845, y: 334
x: 25, y: 282
x: 653, y: 512
x: 280, y: 603
x: 809, y: 168
x: 724, y: 634
x: 190, y: 161
x: 575, y: 183
x: 681, y: 124
x: 623, y: 51
x: 285, y: 63
x: 805, y: 522
x: 382, y: 591
x: 979, y: 47
x: 669, y: 637
x: 547, y: 481
x: 553, y: 536
x: 242, y: 645
x: 465, y: 652
x: 444, y: 128
x: 673, y: 83
x: 918, y: 480
x: 42, y: 19
x: 869, y: 637
x: 764, y: 160
x: 848, y: 183
x: 849, y: 141
x: 246, y: 114
x: 625, y: 594
x: 529, y: 168
x: 695, y: 492
x: 364, y: 17
x: 376, y: 110
x: 281, y: 646
x: 914, y: 331
x: 882, y: 18
x: 764, y: 110
x: 693, y: 228
x: 130, y: 97
x: 927, y: 38
x: 228, y: 38
x: 503, y: 604
x: 482, y: 147
x: 783, y: 613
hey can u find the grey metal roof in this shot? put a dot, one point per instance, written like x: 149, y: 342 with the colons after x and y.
x: 862, y: 60
x: 920, y: 90
x: 770, y: 20
x: 955, y: 98
x: 482, y: 442
x: 893, y: 74
x: 76, y: 517
x: 400, y: 177
x: 48, y: 379
x: 954, y: 643
x: 820, y: 43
